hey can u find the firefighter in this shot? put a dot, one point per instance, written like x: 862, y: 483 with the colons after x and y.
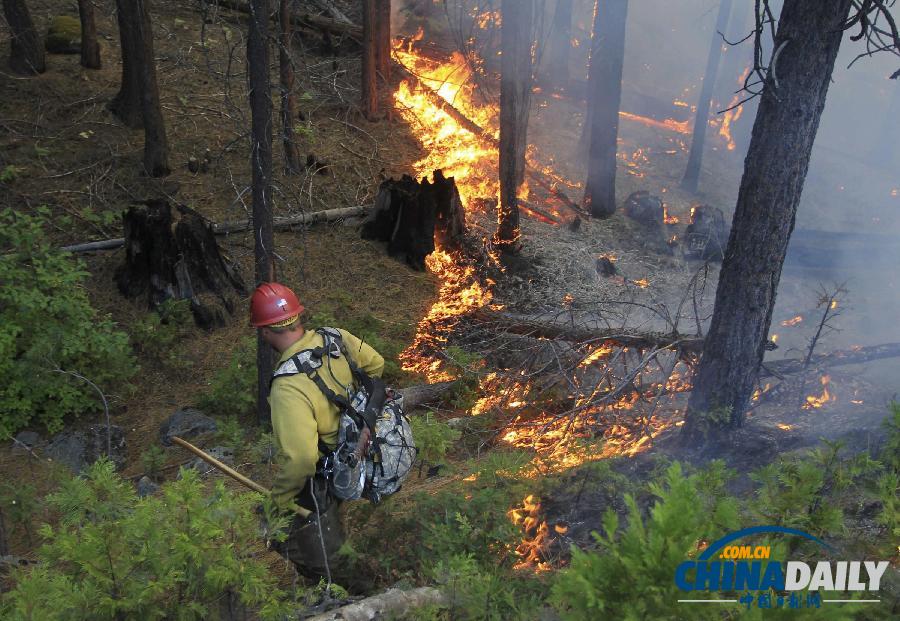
x: 304, y: 424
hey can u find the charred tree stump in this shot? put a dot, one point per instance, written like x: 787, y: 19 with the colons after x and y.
x: 90, y: 48
x: 414, y: 217
x: 168, y: 259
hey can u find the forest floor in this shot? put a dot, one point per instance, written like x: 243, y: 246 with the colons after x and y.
x: 70, y: 154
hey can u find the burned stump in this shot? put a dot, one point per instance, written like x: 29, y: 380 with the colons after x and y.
x: 645, y: 209
x: 413, y: 217
x: 168, y: 259
x: 707, y: 234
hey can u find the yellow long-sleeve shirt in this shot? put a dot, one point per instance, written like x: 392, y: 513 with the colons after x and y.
x: 301, y: 414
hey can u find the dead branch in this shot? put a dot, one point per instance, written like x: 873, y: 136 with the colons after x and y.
x: 225, y: 228
x: 420, y: 394
x: 841, y: 357
x: 306, y: 20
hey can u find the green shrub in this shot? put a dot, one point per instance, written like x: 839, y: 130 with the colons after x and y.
x: 48, y: 323
x: 433, y: 438
x: 231, y: 432
x: 158, y: 334
x: 890, y: 453
x: 115, y: 556
x: 152, y: 461
x: 232, y: 391
x: 631, y: 576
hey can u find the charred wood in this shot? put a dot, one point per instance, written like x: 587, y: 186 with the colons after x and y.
x: 411, y: 216
x: 306, y: 20
x: 859, y: 355
x: 165, y: 259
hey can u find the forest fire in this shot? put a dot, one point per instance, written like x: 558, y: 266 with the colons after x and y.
x: 732, y: 113
x: 814, y: 402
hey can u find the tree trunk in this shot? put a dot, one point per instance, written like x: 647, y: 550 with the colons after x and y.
x: 604, y: 99
x: 286, y: 75
x: 156, y: 146
x: 369, y: 92
x: 515, y: 97
x: 126, y: 105
x: 774, y: 172
x: 559, y: 46
x: 261, y: 164
x: 383, y: 39
x: 90, y: 48
x: 701, y: 121
x: 26, y: 51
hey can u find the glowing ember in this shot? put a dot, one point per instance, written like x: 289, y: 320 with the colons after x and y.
x: 787, y: 323
x: 774, y: 338
x: 815, y: 402
x: 643, y: 283
x: 732, y: 115
x: 784, y: 426
x: 834, y: 304
x: 856, y: 401
x: 667, y: 217
x: 598, y: 354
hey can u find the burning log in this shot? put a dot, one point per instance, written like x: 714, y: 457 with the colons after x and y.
x: 168, y: 260
x: 578, y: 333
x: 412, y: 217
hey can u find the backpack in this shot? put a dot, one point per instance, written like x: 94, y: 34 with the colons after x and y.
x: 375, y: 450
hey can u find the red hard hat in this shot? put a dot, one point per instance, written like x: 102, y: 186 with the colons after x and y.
x: 273, y: 303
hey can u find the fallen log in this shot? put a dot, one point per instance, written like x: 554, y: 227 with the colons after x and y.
x: 393, y: 604
x: 837, y: 358
x: 579, y: 333
x: 332, y: 10
x: 305, y: 20
x: 328, y: 215
x: 420, y: 394
x: 468, y: 124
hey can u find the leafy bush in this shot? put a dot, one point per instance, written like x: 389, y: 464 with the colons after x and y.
x: 232, y: 391
x: 152, y: 461
x: 631, y: 577
x: 115, y: 556
x: 47, y: 323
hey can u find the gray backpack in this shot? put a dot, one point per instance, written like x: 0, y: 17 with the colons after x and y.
x: 375, y: 450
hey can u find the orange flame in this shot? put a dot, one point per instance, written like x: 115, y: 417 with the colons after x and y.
x: 815, y: 402
x: 733, y: 114
x: 787, y: 323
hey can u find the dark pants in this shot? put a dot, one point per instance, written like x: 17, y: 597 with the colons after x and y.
x: 312, y: 540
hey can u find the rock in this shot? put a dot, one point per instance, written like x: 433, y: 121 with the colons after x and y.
x: 64, y: 35
x: 186, y: 423
x: 29, y: 439
x: 223, y: 453
x: 146, y: 487
x: 645, y: 209
x: 80, y: 449
x: 707, y: 234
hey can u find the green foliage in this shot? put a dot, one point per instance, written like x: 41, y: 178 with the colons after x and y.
x: 888, y: 488
x: 262, y: 450
x: 18, y: 503
x: 891, y: 450
x: 805, y: 492
x: 465, y: 392
x: 152, y: 461
x: 478, y: 593
x: 231, y: 432
x: 48, y: 323
x: 63, y: 35
x: 158, y: 334
x: 115, y: 556
x: 631, y: 577
x: 433, y: 438
x: 232, y: 391
x: 10, y: 173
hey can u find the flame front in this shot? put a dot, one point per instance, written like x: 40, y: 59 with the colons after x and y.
x: 814, y: 402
